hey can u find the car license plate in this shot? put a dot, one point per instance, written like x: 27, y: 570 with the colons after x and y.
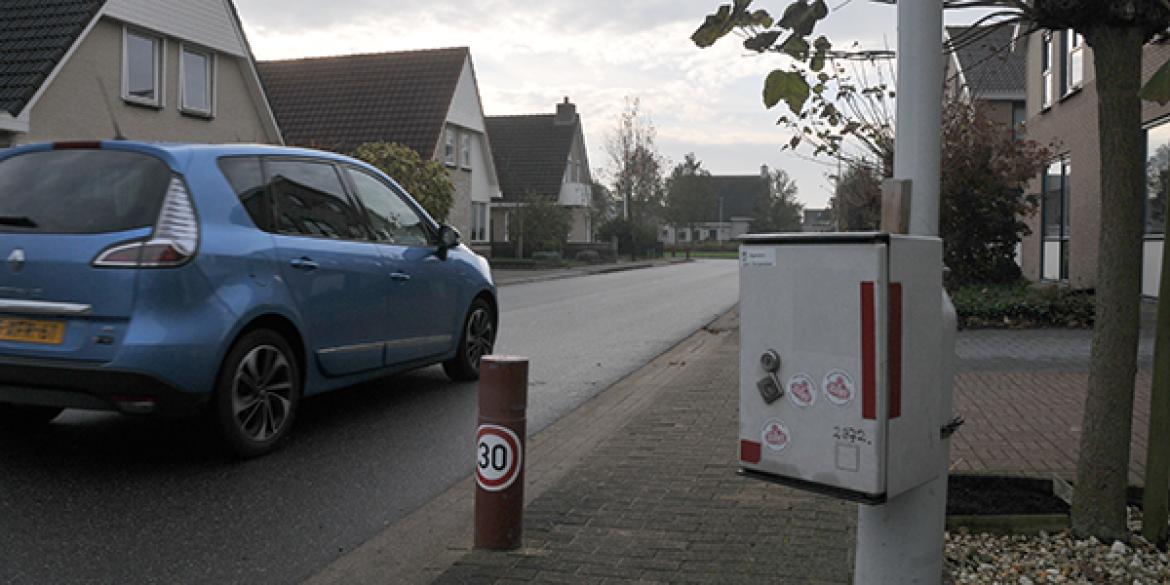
x: 32, y: 331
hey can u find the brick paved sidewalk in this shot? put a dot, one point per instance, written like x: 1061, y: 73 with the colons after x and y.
x: 1022, y: 394
x: 660, y: 501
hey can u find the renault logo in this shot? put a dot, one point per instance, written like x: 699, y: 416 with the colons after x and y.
x: 16, y: 260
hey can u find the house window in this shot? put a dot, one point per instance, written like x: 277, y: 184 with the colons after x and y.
x: 1074, y: 63
x: 465, y: 151
x: 713, y: 235
x: 197, y: 77
x: 1047, y: 88
x: 142, y: 68
x: 682, y: 235
x: 479, y: 222
x: 449, y: 148
x: 1055, y: 204
x: 1019, y: 119
x: 1157, y: 177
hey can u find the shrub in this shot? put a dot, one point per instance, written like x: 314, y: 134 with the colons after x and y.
x: 1021, y: 305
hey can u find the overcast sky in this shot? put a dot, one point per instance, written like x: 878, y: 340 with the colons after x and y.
x: 530, y: 55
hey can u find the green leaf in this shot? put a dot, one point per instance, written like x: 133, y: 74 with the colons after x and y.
x: 715, y: 27
x: 761, y: 42
x: 1157, y: 89
x: 761, y: 18
x: 801, y: 17
x: 796, y: 47
x: 788, y: 86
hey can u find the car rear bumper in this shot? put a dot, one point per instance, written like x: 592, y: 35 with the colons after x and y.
x: 91, y: 387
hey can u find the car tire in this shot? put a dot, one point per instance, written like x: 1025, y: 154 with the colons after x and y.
x: 477, y: 340
x: 257, y: 394
x: 19, y: 417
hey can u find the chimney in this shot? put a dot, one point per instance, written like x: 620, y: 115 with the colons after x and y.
x: 765, y: 172
x: 566, y: 113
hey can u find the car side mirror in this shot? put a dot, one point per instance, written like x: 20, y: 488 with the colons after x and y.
x: 448, y: 237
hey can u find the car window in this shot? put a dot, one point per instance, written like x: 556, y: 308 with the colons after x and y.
x: 310, y: 201
x: 247, y: 180
x: 393, y: 220
x: 81, y: 191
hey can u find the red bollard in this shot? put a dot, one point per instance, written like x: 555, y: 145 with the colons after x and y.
x: 499, y: 452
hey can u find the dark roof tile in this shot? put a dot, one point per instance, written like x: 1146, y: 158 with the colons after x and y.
x: 34, y: 37
x: 992, y: 63
x: 741, y: 194
x: 530, y: 153
x: 339, y: 103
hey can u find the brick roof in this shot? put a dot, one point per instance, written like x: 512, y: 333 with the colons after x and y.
x: 338, y: 103
x: 991, y: 63
x: 530, y: 153
x: 34, y: 37
x: 741, y: 194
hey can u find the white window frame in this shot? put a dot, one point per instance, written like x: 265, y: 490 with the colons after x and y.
x: 160, y: 68
x: 1047, y: 85
x: 1074, y: 76
x: 479, y: 221
x: 449, y: 152
x: 465, y: 150
x: 212, y: 80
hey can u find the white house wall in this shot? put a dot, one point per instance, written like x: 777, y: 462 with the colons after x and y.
x: 206, y: 22
x: 577, y: 194
x: 466, y: 110
x: 482, y: 189
x: 1152, y: 266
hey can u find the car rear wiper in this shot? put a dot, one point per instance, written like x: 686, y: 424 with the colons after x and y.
x: 17, y: 221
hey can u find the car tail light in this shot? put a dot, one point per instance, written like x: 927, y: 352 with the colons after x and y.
x: 175, y: 238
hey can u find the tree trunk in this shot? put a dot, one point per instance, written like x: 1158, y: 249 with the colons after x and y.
x: 1099, y: 505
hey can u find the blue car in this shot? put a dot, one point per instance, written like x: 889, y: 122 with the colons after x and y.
x: 155, y: 279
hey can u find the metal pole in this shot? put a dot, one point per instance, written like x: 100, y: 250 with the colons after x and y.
x: 902, y: 540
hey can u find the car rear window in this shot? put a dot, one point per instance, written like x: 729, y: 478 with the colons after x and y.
x: 81, y: 191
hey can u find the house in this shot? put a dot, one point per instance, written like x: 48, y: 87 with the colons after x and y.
x: 427, y: 100
x: 165, y: 70
x: 986, y: 66
x: 736, y: 199
x: 542, y: 155
x: 1062, y: 109
x: 817, y: 220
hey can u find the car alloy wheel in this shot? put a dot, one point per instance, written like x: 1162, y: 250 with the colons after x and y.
x: 262, y: 393
x: 481, y: 335
x: 257, y: 393
x: 477, y: 340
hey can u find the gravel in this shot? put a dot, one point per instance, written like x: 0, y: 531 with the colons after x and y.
x: 1055, y: 558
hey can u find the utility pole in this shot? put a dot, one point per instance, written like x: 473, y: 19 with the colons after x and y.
x: 901, y: 541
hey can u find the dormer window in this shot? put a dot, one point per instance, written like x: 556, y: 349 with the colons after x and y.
x: 465, y: 151
x: 197, y: 81
x: 449, y: 148
x: 142, y: 68
x: 1074, y: 76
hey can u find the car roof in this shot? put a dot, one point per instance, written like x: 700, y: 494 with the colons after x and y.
x: 179, y: 154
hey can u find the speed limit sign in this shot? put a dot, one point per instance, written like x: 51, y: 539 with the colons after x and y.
x: 498, y: 457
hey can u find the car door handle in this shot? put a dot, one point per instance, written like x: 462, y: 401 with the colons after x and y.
x: 399, y: 276
x: 304, y: 263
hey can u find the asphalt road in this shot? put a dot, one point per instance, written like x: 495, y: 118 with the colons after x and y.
x: 102, y: 498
